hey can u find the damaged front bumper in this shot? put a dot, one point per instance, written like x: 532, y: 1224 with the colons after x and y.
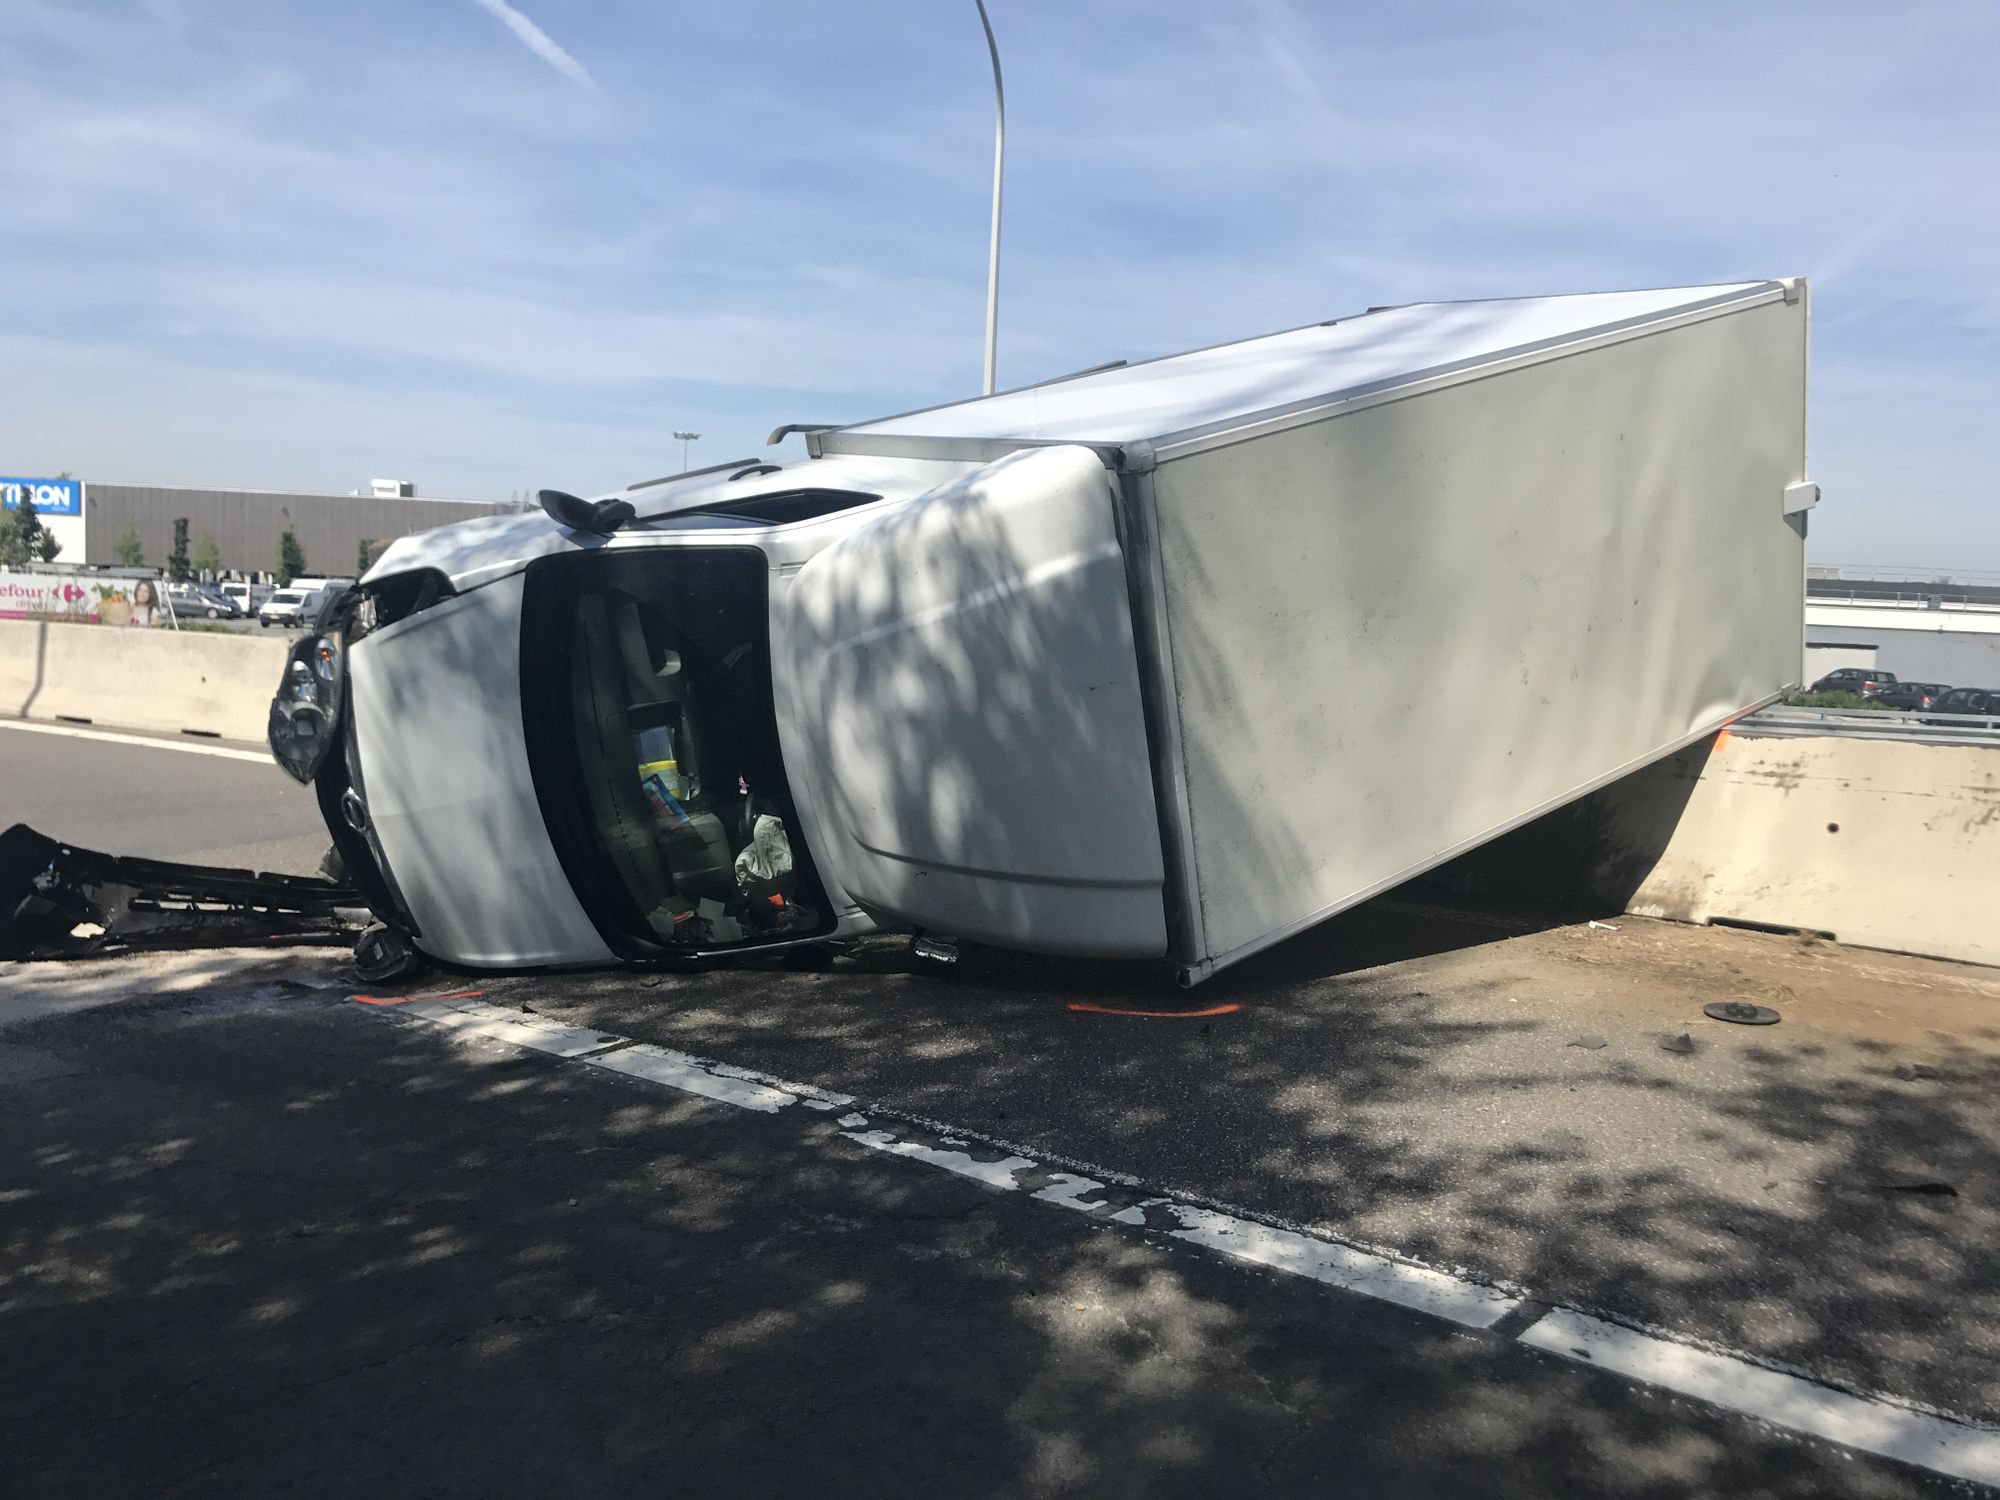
x: 60, y: 901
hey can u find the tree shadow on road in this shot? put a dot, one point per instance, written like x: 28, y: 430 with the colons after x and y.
x: 288, y: 1247
x: 1815, y: 1194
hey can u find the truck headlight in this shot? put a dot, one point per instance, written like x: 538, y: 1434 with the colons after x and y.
x: 305, y: 713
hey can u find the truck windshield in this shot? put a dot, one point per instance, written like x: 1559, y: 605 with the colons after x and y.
x: 646, y: 684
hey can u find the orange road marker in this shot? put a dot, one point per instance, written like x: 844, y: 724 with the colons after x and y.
x: 406, y: 999
x: 1156, y: 1015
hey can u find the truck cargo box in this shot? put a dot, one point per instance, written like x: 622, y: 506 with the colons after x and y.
x: 1215, y: 646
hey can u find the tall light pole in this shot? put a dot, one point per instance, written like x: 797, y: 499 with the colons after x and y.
x: 685, y: 439
x: 999, y: 159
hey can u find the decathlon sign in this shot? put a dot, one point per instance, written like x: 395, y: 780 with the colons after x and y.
x: 52, y: 497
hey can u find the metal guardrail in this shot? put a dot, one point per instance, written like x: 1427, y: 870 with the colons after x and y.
x: 1877, y: 573
x: 1931, y: 600
x: 1924, y: 728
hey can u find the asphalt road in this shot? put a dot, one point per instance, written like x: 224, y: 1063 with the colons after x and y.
x: 267, y: 1241
x: 165, y: 803
x: 301, y: 1246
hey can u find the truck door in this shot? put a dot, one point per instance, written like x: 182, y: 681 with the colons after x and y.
x: 961, y: 675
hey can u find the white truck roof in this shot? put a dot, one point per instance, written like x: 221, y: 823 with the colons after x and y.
x: 1183, y: 394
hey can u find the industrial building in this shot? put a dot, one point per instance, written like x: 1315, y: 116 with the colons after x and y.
x: 89, y: 517
x: 1921, y: 631
x: 247, y: 524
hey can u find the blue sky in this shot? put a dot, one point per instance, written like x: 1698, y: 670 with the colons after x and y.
x: 286, y: 243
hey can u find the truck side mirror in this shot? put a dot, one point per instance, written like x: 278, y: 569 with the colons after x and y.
x: 599, y: 517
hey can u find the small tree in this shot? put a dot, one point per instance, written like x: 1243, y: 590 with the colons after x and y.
x: 207, y: 556
x: 131, y: 552
x: 177, y: 559
x: 361, y: 562
x: 20, y: 530
x: 291, y: 558
x: 48, y: 548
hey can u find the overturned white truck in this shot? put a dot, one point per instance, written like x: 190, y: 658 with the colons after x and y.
x: 1167, y: 660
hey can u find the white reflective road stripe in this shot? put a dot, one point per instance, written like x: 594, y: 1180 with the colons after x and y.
x: 998, y: 1174
x: 1417, y: 1287
x: 1869, y: 1423
x: 679, y: 1071
x: 185, y: 747
x: 518, y: 1028
x: 1733, y: 1382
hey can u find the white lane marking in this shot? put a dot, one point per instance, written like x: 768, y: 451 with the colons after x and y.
x: 492, y: 1023
x: 679, y: 1071
x: 999, y: 1174
x: 602, y: 1049
x: 1068, y: 1190
x: 185, y: 747
x: 1875, y: 1424
x: 1415, y: 1287
x: 810, y: 1097
x: 1869, y: 1423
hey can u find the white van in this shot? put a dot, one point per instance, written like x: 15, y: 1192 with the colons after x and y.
x: 298, y: 604
x: 247, y: 597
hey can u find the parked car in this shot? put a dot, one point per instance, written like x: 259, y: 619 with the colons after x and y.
x: 199, y: 599
x: 1865, y: 681
x: 1967, y: 700
x: 1917, y: 695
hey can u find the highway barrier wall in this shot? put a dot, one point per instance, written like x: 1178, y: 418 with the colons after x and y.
x: 1879, y: 843
x: 195, y: 682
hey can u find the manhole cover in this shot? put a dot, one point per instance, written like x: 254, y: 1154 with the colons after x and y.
x: 1741, y: 1013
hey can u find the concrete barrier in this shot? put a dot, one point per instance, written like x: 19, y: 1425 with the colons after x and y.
x: 197, y: 681
x: 1881, y: 843
x: 1878, y: 843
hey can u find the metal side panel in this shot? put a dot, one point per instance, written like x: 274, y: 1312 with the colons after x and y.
x: 968, y: 694
x: 1138, y: 533
x: 1399, y: 631
x: 436, y: 701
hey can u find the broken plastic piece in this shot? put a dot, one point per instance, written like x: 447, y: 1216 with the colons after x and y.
x: 717, y: 925
x: 59, y: 901
x: 1590, y: 1043
x: 381, y: 953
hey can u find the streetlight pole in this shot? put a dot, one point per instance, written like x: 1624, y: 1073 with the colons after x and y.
x: 685, y: 439
x: 999, y: 159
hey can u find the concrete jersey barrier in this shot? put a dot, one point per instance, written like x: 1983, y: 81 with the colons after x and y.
x: 1884, y: 844
x: 175, y: 681
x: 1878, y: 843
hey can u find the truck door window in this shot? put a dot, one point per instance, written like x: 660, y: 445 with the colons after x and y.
x: 647, y: 690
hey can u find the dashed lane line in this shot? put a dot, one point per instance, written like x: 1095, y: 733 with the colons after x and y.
x: 140, y: 741
x: 1869, y: 1423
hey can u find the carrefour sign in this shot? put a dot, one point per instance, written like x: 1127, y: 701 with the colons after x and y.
x: 52, y: 497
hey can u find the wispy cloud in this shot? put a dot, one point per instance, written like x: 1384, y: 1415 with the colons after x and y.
x: 253, y: 243
x: 538, y: 42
